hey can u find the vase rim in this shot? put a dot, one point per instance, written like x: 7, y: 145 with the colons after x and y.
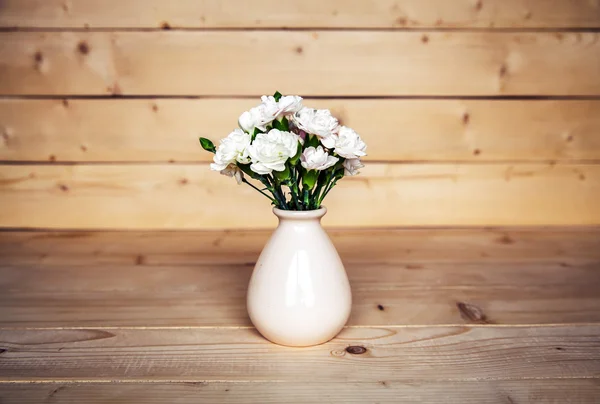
x: 300, y: 214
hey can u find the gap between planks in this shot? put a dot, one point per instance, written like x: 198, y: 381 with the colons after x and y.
x: 162, y: 96
x: 241, y: 327
x: 242, y: 381
x: 305, y: 29
x: 203, y: 163
x: 517, y: 228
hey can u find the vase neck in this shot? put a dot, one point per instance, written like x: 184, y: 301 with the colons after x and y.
x: 300, y: 215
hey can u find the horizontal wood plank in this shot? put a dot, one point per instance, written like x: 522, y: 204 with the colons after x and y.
x: 565, y: 246
x: 144, y: 295
x: 386, y: 195
x: 394, y: 354
x: 309, y: 63
x: 307, y: 14
x: 395, y: 130
x: 470, y: 392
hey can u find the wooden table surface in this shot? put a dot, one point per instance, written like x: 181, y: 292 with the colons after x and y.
x: 488, y: 315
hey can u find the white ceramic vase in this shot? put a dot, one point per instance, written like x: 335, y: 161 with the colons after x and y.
x: 299, y: 294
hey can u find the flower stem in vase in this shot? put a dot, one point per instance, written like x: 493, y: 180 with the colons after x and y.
x: 276, y: 190
x: 245, y: 181
x: 294, y: 191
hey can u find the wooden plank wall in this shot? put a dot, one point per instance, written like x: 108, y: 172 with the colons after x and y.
x: 479, y: 112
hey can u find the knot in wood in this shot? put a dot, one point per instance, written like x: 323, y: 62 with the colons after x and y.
x: 356, y: 350
x: 83, y: 48
x: 472, y: 313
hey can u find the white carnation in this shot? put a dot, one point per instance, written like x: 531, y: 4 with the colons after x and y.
x: 233, y: 171
x: 258, y: 117
x: 318, y: 122
x: 289, y: 104
x: 270, y: 106
x: 270, y: 151
x: 351, y: 166
x: 231, y: 149
x: 317, y: 159
x: 348, y: 144
x: 262, y: 115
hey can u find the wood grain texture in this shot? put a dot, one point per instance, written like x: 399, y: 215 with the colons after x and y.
x: 154, y: 297
x: 191, y: 196
x: 144, y: 295
x: 469, y: 392
x: 565, y: 246
x: 396, y: 130
x: 395, y: 354
x: 322, y: 63
x: 307, y: 14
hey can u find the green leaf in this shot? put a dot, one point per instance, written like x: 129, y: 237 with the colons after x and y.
x: 256, y: 132
x: 294, y: 160
x: 311, y: 141
x: 277, y: 125
x: 277, y: 95
x: 282, y: 125
x: 207, y: 145
x: 282, y: 175
x: 309, y: 179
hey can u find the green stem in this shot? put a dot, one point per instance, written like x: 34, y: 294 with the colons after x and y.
x: 323, y: 186
x: 332, y: 181
x: 296, y: 189
x: 306, y: 198
x: 276, y: 190
x: 282, y: 196
x: 294, y: 195
x: 265, y: 181
x: 245, y: 181
x: 315, y: 194
x: 295, y: 199
x: 293, y: 185
x: 299, y: 191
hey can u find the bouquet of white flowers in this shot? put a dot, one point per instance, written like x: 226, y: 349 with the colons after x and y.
x: 291, y: 150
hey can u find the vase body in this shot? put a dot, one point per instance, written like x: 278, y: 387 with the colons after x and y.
x: 299, y: 294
